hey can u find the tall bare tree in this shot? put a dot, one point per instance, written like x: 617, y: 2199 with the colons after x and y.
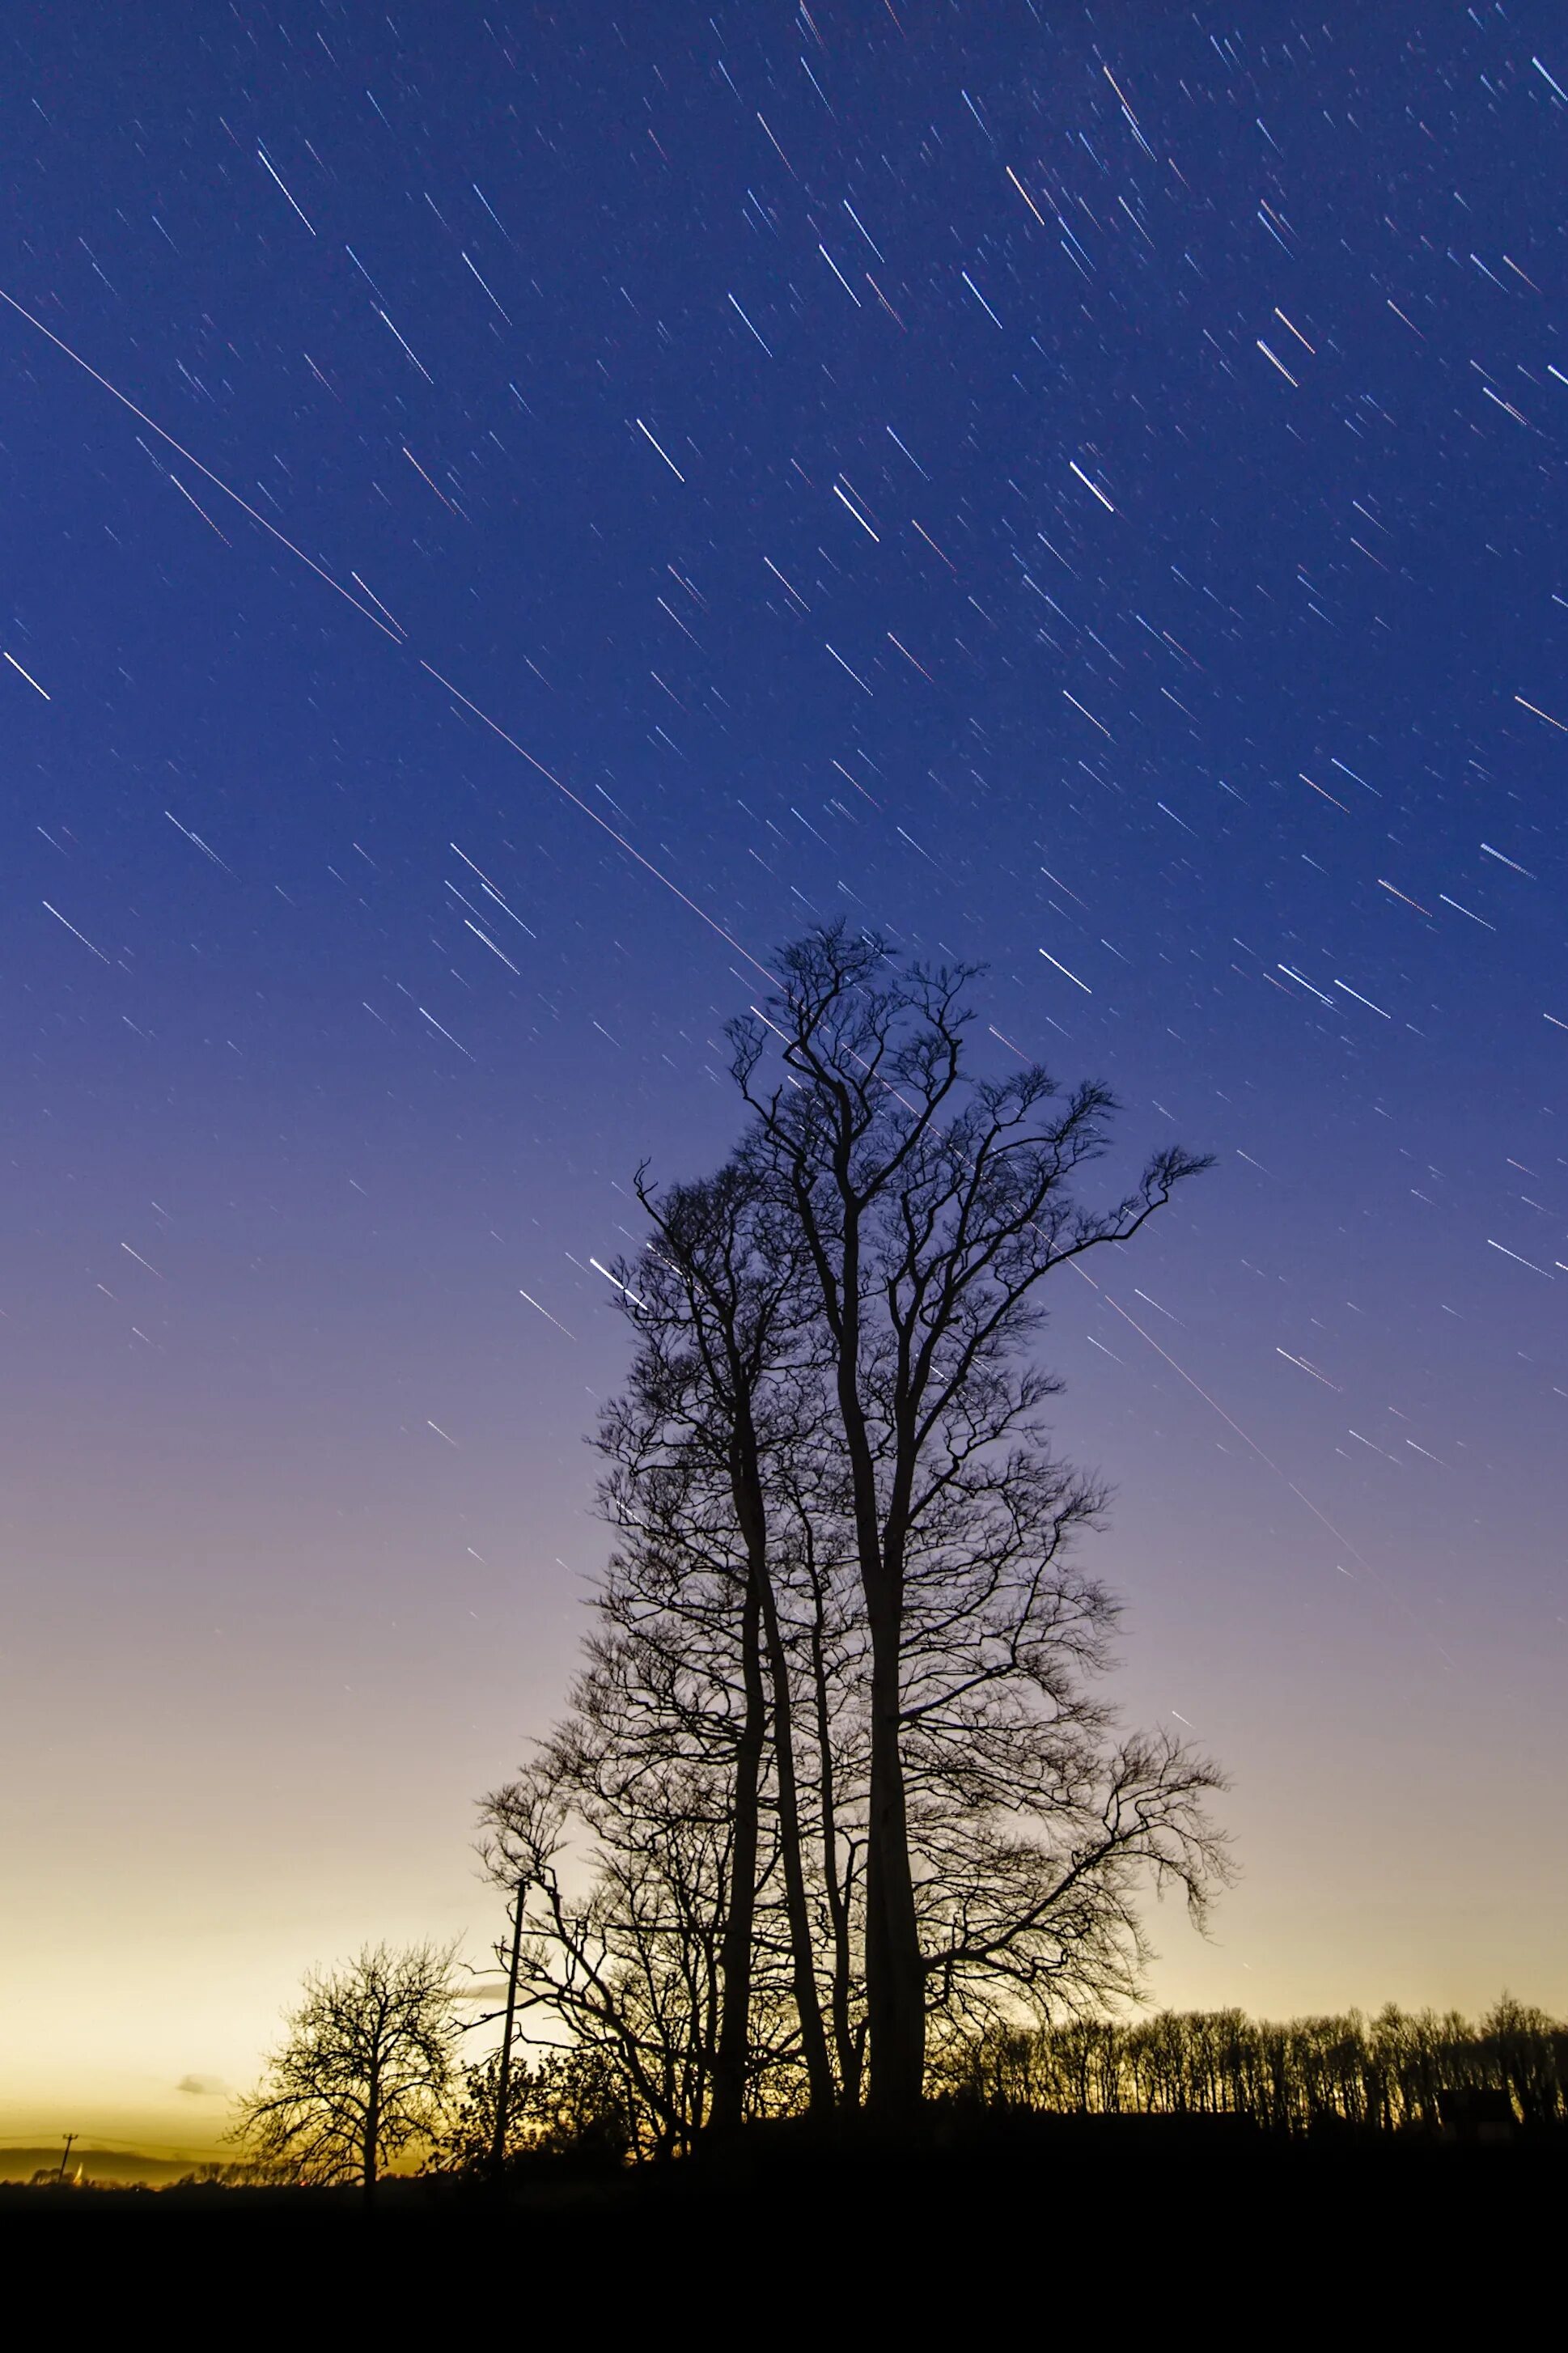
x: 931, y: 1205
x: 364, y: 2069
x: 718, y: 1405
x: 836, y: 1770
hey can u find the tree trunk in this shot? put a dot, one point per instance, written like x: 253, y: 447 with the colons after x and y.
x: 895, y: 1992
x: 847, y: 2043
x: 503, y: 2072
x: 807, y: 2002
x: 735, y: 1956
x: 371, y: 2136
x: 894, y: 1985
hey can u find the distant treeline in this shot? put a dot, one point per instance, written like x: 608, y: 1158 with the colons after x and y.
x: 1400, y: 2069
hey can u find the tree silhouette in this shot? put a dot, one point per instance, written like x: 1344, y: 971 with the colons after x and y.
x: 716, y: 1410
x: 364, y: 2069
x: 835, y: 1772
x: 569, y: 2104
x: 931, y: 1205
x: 1301, y: 2076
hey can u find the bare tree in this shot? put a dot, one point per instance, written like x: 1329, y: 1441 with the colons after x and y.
x: 836, y: 1770
x: 930, y: 1206
x: 568, y: 2104
x: 363, y: 2069
x: 626, y: 1852
x: 701, y: 1442
x: 673, y: 1782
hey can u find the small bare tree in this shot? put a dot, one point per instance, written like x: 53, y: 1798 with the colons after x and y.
x: 569, y: 2103
x: 363, y: 2069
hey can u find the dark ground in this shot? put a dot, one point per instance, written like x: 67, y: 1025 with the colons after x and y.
x: 1091, y: 2237
x: 1015, y: 2179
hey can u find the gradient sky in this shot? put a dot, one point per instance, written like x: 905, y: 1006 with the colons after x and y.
x: 1077, y: 490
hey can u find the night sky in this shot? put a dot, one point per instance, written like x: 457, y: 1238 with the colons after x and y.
x: 1073, y: 490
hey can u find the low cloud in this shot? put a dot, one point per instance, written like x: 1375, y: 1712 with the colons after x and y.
x: 201, y: 2087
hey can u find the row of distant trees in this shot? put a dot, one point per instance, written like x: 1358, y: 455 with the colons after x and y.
x: 1397, y: 2071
